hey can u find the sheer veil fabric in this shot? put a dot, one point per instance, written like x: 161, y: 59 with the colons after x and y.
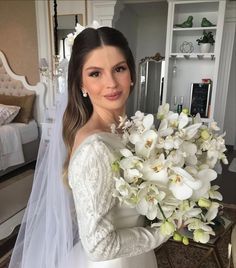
x: 49, y: 234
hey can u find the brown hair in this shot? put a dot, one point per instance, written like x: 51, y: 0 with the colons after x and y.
x: 79, y: 109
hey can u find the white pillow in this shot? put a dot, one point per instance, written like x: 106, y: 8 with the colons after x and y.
x: 8, y: 113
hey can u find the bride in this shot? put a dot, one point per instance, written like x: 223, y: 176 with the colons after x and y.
x: 75, y: 221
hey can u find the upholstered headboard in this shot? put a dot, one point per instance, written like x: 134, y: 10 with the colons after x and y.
x: 16, y: 85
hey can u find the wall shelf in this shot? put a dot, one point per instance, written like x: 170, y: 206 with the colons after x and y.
x: 184, y: 69
x: 193, y: 55
x: 178, y: 29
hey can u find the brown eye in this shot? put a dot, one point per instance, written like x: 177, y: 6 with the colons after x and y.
x: 120, y: 69
x: 94, y: 74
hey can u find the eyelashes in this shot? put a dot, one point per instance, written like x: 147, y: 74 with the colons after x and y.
x: 94, y: 74
x: 118, y: 69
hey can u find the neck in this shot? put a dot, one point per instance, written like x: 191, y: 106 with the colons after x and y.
x: 103, y: 119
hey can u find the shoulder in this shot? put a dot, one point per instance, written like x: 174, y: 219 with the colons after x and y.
x: 80, y: 137
x: 92, y: 158
x: 90, y: 145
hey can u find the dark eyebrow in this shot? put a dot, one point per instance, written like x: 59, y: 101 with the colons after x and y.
x: 122, y: 62
x: 98, y: 68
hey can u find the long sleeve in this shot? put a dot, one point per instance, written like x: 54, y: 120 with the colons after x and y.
x: 92, y: 183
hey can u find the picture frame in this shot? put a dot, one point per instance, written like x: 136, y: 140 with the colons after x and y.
x: 200, y: 97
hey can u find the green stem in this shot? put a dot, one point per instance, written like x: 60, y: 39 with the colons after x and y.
x: 162, y: 212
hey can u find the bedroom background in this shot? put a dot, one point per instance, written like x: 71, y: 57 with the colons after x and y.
x: 24, y: 46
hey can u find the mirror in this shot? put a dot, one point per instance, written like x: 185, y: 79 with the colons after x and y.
x: 66, y: 25
x: 150, y: 83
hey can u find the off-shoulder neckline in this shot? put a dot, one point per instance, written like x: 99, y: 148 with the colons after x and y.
x: 89, y: 137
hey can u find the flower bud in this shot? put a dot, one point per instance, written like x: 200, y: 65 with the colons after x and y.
x: 177, y: 236
x: 167, y: 228
x: 200, y: 236
x: 115, y: 166
x: 205, y: 134
x: 204, y: 203
x: 185, y: 240
x: 185, y: 111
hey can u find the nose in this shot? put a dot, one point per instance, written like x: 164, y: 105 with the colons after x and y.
x: 111, y: 81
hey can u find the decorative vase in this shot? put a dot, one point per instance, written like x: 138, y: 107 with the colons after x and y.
x: 205, y: 47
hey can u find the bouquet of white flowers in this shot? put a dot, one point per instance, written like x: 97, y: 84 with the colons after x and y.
x: 166, y: 172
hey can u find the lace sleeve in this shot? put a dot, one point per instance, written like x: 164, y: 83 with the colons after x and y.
x: 91, y: 180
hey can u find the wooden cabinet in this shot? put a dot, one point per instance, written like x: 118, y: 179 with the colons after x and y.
x: 185, y: 63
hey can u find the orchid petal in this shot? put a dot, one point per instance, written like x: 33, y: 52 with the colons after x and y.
x: 208, y: 174
x: 183, y: 120
x: 134, y: 138
x: 148, y: 121
x: 212, y: 211
x: 142, y: 206
x: 200, y: 236
x: 189, y: 148
x: 180, y: 191
x: 126, y: 153
x: 191, y: 131
x: 152, y: 213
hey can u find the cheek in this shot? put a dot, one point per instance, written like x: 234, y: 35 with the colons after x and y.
x: 90, y: 86
x: 125, y: 80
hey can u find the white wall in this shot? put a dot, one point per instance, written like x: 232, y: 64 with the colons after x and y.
x: 152, y: 31
x: 230, y: 113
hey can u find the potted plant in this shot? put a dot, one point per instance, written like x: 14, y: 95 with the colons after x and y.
x: 206, y: 41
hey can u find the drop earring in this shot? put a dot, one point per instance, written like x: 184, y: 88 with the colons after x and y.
x: 132, y: 83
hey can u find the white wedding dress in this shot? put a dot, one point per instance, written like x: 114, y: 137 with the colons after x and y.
x: 112, y: 235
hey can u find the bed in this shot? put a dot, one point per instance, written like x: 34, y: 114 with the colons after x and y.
x: 22, y: 108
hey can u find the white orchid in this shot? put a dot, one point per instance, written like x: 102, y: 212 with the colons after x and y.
x: 214, y: 194
x: 164, y: 129
x: 132, y: 175
x: 125, y: 193
x: 213, y: 126
x: 205, y: 176
x: 211, y: 212
x: 202, y: 236
x: 148, y: 199
x: 167, y: 228
x: 137, y: 118
x: 202, y: 230
x: 189, y: 150
x: 163, y: 111
x: 177, y: 158
x: 148, y: 121
x: 166, y: 173
x: 189, y: 132
x: 156, y: 170
x: 183, y: 120
x: 129, y: 161
x: 173, y: 120
x: 144, y: 143
x: 186, y: 210
x: 182, y: 184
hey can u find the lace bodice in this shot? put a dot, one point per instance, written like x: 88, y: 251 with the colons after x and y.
x: 107, y: 230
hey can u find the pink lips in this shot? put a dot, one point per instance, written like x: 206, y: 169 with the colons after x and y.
x: 113, y: 96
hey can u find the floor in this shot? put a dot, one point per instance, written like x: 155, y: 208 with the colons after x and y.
x: 10, y: 183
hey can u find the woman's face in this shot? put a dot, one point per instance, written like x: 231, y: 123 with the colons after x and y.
x: 106, y: 78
